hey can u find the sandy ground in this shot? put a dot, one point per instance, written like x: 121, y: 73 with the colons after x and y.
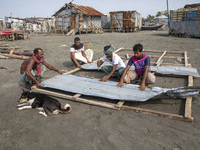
x: 91, y: 127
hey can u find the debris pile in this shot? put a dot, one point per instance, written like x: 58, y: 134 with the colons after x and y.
x: 7, y: 52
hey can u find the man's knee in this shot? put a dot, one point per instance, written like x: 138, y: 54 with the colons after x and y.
x: 151, y: 78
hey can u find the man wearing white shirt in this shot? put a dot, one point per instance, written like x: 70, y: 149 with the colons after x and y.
x: 78, y: 54
x: 118, y: 66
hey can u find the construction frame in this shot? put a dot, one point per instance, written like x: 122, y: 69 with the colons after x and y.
x: 119, y: 105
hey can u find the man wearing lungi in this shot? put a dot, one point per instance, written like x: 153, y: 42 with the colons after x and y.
x: 118, y: 66
x: 78, y: 54
x: 33, y: 68
x: 142, y: 69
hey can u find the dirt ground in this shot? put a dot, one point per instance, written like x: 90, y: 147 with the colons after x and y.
x: 90, y: 127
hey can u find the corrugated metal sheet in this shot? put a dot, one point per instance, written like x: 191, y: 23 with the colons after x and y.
x: 176, y: 70
x: 184, y: 23
x: 73, y: 16
x: 88, y: 10
x: 129, y: 92
x: 125, y: 19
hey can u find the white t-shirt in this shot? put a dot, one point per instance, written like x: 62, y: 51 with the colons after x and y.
x: 115, y: 60
x: 77, y: 50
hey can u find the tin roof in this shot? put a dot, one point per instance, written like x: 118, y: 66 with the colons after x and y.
x: 84, y: 9
x: 89, y: 10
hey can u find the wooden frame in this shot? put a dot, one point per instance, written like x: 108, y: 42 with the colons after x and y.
x: 119, y: 106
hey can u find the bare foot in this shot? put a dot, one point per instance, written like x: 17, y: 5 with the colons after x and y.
x: 149, y: 85
x: 28, y: 85
x: 74, y: 66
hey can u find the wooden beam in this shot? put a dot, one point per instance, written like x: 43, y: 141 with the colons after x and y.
x: 157, y: 113
x: 160, y: 58
x: 77, y: 99
x: 119, y: 104
x: 186, y: 60
x: 154, y: 63
x: 172, y: 52
x: 188, y: 102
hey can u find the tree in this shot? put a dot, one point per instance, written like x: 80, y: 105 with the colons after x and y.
x: 158, y: 14
x: 150, y: 18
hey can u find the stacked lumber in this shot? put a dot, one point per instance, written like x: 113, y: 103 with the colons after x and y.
x: 14, y: 52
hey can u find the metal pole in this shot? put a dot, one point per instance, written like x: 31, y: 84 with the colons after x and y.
x: 168, y: 13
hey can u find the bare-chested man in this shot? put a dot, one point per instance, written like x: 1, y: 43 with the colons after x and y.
x: 34, y: 67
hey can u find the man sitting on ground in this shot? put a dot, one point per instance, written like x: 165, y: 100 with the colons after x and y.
x: 118, y: 66
x: 142, y: 69
x: 78, y: 54
x: 34, y: 67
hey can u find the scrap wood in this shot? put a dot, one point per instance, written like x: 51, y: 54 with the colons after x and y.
x: 159, y: 61
x: 6, y: 45
x: 17, y: 52
x: 3, y: 57
x: 3, y: 68
x: 15, y: 56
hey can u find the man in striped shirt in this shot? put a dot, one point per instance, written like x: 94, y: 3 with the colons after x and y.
x: 78, y: 54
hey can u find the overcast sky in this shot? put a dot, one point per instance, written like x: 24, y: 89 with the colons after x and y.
x: 46, y: 8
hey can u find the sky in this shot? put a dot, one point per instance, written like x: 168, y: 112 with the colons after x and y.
x: 46, y: 8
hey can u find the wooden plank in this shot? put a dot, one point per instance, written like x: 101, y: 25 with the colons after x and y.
x: 160, y: 58
x: 77, y: 99
x: 157, y: 113
x: 188, y: 102
x: 154, y: 56
x: 154, y: 63
x: 159, y: 63
x: 119, y: 104
x: 172, y: 52
x: 186, y: 60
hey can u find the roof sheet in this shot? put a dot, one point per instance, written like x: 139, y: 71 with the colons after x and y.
x: 89, y: 10
x: 85, y: 9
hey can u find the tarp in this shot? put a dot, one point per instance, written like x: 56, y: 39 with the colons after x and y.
x: 130, y: 92
x: 176, y: 70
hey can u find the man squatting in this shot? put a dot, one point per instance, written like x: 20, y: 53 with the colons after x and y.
x: 118, y: 66
x: 33, y: 68
x: 142, y: 69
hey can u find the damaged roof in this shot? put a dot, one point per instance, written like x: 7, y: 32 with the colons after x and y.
x: 84, y: 9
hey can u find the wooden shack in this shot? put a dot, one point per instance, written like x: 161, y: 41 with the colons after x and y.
x: 125, y: 21
x: 72, y: 18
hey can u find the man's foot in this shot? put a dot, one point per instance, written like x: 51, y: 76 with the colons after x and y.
x: 74, y: 66
x: 28, y: 85
x: 149, y: 85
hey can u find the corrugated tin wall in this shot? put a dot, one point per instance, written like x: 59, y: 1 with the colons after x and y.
x: 185, y: 24
x: 72, y: 19
x: 125, y: 19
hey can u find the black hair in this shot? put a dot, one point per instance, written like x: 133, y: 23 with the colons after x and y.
x: 137, y: 47
x: 76, y: 39
x: 36, y: 50
x: 107, y: 47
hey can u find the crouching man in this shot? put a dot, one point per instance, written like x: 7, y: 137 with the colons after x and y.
x: 142, y: 69
x: 118, y: 66
x: 79, y: 55
x: 33, y: 68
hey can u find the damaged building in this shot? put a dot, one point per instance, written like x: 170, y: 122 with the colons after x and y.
x: 185, y: 22
x: 125, y: 21
x: 72, y: 18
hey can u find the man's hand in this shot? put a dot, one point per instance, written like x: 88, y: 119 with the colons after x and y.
x: 79, y: 66
x: 60, y: 72
x: 103, y: 79
x: 142, y: 87
x: 120, y: 84
x: 38, y: 84
x: 90, y: 62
